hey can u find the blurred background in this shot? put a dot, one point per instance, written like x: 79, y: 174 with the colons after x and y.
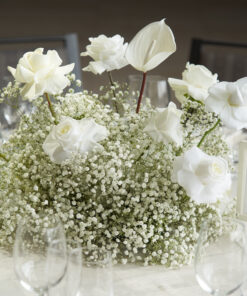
x: 221, y: 20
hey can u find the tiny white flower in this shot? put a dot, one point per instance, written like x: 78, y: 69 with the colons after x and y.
x: 205, y: 178
x: 41, y: 73
x: 108, y: 54
x: 229, y: 101
x: 196, y: 79
x: 72, y: 135
x: 164, y: 126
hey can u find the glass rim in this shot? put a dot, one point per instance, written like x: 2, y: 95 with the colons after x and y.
x: 107, y: 254
x: 39, y: 216
x: 73, y: 245
x: 235, y: 220
x: 153, y: 77
x: 203, y: 228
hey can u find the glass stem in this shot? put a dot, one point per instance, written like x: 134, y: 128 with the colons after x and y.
x: 141, y: 92
x: 44, y: 293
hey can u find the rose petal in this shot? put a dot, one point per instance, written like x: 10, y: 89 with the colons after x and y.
x: 95, y: 67
x: 66, y: 69
x: 38, y: 62
x: 53, y: 58
x: 190, y: 182
x: 56, y: 83
x: 28, y: 91
x: 23, y: 74
x: 12, y: 70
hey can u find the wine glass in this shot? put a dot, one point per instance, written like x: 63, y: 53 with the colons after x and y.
x: 156, y: 89
x: 220, y: 259
x: 40, y: 255
x: 70, y: 285
x: 96, y: 272
x: 11, y: 111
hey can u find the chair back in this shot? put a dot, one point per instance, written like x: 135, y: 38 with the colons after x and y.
x: 227, y: 59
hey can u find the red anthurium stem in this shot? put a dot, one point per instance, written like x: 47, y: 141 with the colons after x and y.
x: 141, y: 92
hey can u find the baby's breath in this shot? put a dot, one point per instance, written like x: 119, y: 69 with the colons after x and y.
x: 121, y: 197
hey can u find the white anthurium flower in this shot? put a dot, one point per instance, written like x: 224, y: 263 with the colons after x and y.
x: 108, y: 54
x: 229, y: 101
x: 196, y: 80
x: 151, y: 46
x: 164, y: 126
x: 72, y: 135
x: 41, y: 73
x: 205, y: 178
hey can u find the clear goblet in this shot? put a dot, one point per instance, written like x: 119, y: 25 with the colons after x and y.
x: 96, y: 272
x: 220, y: 259
x: 40, y: 255
x: 11, y: 111
x: 70, y: 284
x: 74, y: 268
x: 156, y: 89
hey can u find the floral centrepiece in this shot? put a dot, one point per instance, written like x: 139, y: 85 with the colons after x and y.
x: 117, y: 180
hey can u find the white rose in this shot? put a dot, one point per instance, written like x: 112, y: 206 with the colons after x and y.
x: 151, y: 46
x: 72, y: 135
x: 196, y: 79
x: 108, y: 54
x: 164, y: 126
x: 229, y: 101
x: 205, y: 178
x: 41, y: 73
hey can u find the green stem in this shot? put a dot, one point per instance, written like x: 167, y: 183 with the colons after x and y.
x: 141, y: 92
x: 208, y: 132
x: 114, y: 93
x: 3, y: 157
x: 179, y: 151
x: 194, y: 100
x: 51, y: 107
x: 142, y: 153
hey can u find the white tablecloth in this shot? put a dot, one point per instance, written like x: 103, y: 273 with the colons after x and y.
x: 129, y: 280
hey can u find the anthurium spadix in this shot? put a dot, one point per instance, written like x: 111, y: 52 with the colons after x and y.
x: 149, y: 48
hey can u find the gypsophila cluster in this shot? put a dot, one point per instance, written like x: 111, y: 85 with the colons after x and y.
x: 196, y: 121
x: 121, y: 197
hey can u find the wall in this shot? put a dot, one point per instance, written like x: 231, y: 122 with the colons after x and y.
x: 217, y: 20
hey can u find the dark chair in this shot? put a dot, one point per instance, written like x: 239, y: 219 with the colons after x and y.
x: 11, y: 49
x: 227, y: 59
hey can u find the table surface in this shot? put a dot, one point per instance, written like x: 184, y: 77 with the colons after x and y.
x: 129, y: 280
